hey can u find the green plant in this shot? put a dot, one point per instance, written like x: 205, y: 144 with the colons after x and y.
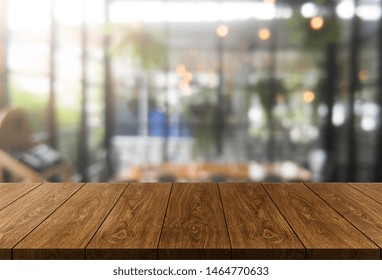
x: 312, y: 39
x: 67, y: 116
x: 148, y: 51
x: 145, y: 47
x: 316, y: 41
x: 36, y: 107
x: 261, y: 88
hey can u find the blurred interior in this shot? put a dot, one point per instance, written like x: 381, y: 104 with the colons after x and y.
x: 273, y: 90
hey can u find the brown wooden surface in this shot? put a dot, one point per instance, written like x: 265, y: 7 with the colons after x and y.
x: 65, y: 234
x: 190, y: 221
x: 194, y: 226
x: 12, y: 191
x: 324, y: 233
x: 373, y: 190
x: 360, y: 210
x: 256, y: 227
x: 133, y: 228
x: 26, y: 213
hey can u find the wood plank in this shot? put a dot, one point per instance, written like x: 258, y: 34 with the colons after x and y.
x: 22, y: 216
x: 257, y: 229
x: 359, y: 209
x: 9, y: 192
x: 65, y: 234
x: 133, y: 228
x: 324, y: 233
x: 194, y: 226
x: 373, y: 190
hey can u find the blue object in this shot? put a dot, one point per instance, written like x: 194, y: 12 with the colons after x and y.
x: 157, y: 126
x: 157, y: 123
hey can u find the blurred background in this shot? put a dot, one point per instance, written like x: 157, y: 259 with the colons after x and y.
x: 271, y: 90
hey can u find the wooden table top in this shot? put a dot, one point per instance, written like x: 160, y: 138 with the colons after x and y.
x: 191, y: 221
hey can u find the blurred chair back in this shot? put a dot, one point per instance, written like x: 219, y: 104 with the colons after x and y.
x: 21, y: 157
x: 15, y: 130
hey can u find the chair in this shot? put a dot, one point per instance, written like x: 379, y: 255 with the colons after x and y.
x: 21, y: 157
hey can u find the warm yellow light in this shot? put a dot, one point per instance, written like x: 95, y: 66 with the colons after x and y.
x: 309, y: 96
x: 222, y: 30
x: 362, y: 75
x: 317, y: 23
x: 264, y: 34
x: 181, y: 70
x: 270, y: 1
x: 188, y: 76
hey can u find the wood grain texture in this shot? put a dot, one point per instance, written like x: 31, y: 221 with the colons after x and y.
x: 324, y: 233
x: 22, y: 216
x: 373, y: 190
x: 10, y: 192
x: 257, y: 229
x: 65, y: 234
x: 194, y: 226
x: 360, y: 210
x: 133, y: 228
